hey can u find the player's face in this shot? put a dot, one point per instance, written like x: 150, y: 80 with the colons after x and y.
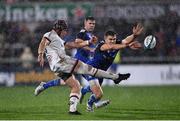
x: 110, y: 39
x: 63, y: 33
x: 89, y: 25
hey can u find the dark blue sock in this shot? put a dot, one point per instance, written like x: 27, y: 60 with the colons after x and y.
x: 52, y: 83
x: 85, y: 89
x: 92, y: 99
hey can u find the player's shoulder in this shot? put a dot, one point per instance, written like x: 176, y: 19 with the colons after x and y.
x: 51, y: 34
x: 82, y: 34
x: 47, y: 34
x: 82, y: 31
x: 101, y: 42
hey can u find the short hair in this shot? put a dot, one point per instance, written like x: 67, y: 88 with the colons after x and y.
x: 110, y: 33
x: 90, y: 18
x: 60, y: 24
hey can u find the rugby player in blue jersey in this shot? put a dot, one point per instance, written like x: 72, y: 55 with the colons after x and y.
x: 86, y: 34
x: 103, y: 58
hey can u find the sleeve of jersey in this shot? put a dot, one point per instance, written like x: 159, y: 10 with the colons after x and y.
x: 47, y: 37
x: 99, y: 45
x: 81, y: 35
x: 118, y: 41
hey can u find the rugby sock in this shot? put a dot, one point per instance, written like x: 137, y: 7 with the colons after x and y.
x: 105, y: 74
x: 85, y: 89
x: 73, y: 101
x: 52, y: 83
x: 92, y: 100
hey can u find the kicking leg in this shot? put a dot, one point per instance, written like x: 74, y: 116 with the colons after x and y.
x: 82, y: 68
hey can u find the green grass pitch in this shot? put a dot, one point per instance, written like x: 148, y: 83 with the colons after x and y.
x: 159, y: 102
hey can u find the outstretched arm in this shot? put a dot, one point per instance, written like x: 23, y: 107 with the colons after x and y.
x: 136, y: 31
x: 74, y: 44
x: 79, y: 43
x: 106, y: 47
x: 135, y: 45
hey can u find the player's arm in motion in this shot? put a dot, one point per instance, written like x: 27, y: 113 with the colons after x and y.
x: 137, y: 30
x: 93, y: 40
x: 68, y: 45
x: 41, y: 50
x: 79, y: 43
x: 127, y: 42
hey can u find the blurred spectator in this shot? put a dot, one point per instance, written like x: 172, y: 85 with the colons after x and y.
x: 27, y: 58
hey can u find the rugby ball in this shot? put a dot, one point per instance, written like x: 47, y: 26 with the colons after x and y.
x: 150, y: 42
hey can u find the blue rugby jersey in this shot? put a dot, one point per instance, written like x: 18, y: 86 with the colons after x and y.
x: 103, y: 59
x: 82, y: 54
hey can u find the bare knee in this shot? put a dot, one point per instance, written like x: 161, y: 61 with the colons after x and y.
x: 76, y: 88
x: 98, y: 94
x: 73, y: 84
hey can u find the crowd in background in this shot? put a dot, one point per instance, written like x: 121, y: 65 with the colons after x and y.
x: 19, y: 41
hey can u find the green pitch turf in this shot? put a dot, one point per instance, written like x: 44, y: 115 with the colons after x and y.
x: 126, y: 103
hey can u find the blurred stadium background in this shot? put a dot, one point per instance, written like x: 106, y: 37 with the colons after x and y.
x: 23, y: 22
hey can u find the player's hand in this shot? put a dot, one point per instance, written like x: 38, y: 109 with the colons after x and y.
x: 135, y: 45
x: 41, y: 59
x: 137, y: 30
x: 94, y: 40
